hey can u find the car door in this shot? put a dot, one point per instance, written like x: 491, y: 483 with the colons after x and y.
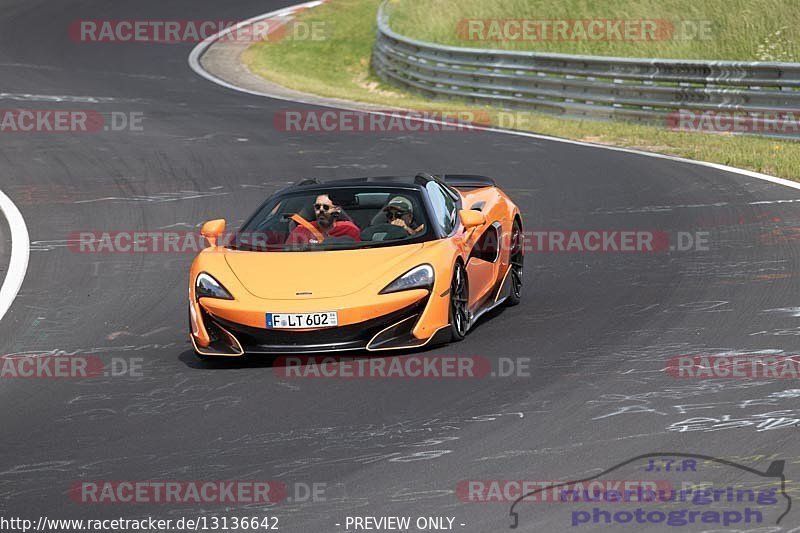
x: 481, y: 264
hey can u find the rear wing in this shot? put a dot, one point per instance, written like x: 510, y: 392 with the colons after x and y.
x: 468, y: 181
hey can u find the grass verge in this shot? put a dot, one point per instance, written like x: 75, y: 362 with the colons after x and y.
x: 746, y: 30
x: 339, y: 67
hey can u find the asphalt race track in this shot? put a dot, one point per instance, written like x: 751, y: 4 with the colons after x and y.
x: 598, y: 328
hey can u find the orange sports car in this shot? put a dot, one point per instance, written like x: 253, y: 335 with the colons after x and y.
x: 386, y: 263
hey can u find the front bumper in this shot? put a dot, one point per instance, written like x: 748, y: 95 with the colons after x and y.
x: 391, y: 331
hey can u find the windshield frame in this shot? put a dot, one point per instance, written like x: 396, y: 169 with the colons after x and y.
x: 431, y: 232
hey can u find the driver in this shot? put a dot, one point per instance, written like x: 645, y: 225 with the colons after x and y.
x: 400, y: 212
x: 327, y: 224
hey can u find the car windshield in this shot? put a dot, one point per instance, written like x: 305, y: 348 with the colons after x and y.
x: 336, y: 219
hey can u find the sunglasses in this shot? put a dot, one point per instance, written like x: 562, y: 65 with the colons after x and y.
x: 323, y: 207
x: 391, y: 215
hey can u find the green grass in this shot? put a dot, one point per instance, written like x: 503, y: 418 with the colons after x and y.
x: 765, y: 30
x: 340, y: 67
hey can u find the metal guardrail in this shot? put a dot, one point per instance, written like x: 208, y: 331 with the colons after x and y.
x: 642, y: 90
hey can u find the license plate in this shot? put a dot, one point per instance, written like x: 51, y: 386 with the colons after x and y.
x: 327, y: 319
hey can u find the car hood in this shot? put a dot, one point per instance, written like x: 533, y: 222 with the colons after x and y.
x: 330, y: 274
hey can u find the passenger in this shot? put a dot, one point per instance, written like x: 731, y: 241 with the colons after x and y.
x: 400, y: 212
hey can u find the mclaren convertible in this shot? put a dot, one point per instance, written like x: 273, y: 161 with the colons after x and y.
x: 385, y: 263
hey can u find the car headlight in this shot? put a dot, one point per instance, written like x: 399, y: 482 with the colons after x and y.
x: 207, y: 287
x: 420, y: 277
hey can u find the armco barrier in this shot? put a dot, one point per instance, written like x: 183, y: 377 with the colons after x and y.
x: 642, y: 90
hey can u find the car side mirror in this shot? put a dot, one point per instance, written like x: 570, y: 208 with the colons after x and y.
x: 213, y: 230
x: 471, y: 218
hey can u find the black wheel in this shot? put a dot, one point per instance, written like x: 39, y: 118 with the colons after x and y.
x: 517, y: 262
x: 459, y: 303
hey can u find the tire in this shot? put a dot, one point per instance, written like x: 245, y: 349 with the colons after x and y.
x: 459, y: 303
x: 516, y: 264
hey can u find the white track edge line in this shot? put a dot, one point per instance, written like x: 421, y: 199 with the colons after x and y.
x: 198, y: 51
x: 20, y: 254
